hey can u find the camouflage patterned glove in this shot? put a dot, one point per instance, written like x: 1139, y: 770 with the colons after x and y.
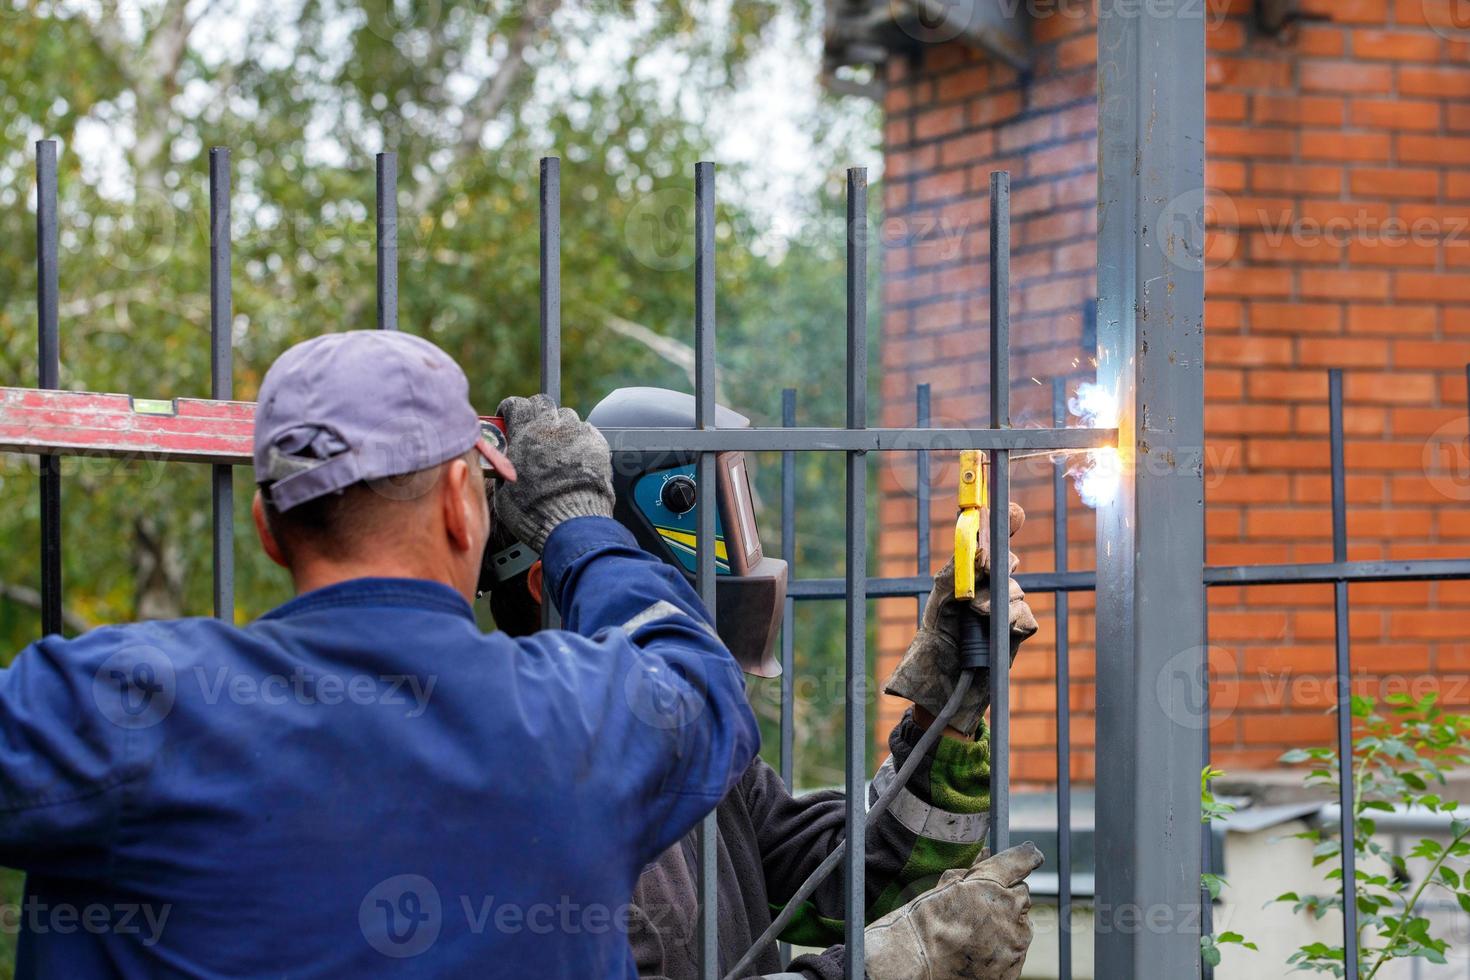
x: 974, y: 925
x: 564, y: 467
x: 927, y: 673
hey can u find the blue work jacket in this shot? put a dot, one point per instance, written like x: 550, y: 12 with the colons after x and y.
x: 362, y: 783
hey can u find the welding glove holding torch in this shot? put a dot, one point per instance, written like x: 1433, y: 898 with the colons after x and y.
x: 564, y: 467
x: 974, y: 924
x: 928, y: 671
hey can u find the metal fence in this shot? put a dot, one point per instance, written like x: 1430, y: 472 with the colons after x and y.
x: 1151, y: 578
x: 855, y: 440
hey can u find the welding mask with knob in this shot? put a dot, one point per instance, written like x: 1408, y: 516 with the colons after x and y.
x: 656, y: 498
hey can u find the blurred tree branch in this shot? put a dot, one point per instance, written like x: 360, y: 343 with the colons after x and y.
x: 26, y: 596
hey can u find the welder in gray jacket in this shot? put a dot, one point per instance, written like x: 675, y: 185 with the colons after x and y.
x: 935, y: 909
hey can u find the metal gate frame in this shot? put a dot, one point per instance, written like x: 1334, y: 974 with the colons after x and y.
x: 1151, y: 578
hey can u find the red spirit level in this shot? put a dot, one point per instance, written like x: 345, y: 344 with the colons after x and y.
x: 186, y: 430
x: 84, y: 423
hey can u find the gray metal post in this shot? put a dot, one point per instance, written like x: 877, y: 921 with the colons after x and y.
x: 704, y: 418
x: 221, y: 313
x: 854, y: 862
x: 1150, y: 537
x: 48, y: 332
x: 550, y: 220
x: 387, y: 201
x: 1000, y: 521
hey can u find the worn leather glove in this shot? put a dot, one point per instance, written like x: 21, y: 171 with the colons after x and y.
x: 973, y: 925
x: 927, y: 673
x: 563, y: 465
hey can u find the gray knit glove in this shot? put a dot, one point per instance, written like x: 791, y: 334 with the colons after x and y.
x: 563, y: 467
x: 928, y: 671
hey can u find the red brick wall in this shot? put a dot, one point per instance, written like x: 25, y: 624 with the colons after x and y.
x: 1339, y: 158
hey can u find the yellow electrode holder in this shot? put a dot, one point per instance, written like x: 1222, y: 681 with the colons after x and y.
x: 974, y: 497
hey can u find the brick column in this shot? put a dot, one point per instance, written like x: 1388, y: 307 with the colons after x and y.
x: 1339, y: 169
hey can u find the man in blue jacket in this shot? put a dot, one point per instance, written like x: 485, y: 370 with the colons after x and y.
x: 361, y: 782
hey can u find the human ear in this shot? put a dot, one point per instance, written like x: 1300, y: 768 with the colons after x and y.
x: 460, y: 518
x: 534, y: 582
x: 263, y: 531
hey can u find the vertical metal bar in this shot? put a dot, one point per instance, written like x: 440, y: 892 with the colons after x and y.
x: 387, y: 241
x: 221, y: 313
x: 1207, y: 835
x: 922, y: 475
x: 854, y: 861
x: 788, y: 615
x: 1343, y: 637
x: 551, y: 277
x: 1150, y: 535
x: 788, y: 612
x: 48, y: 328
x: 704, y: 418
x: 549, y: 222
x: 1000, y: 572
x: 1064, y: 698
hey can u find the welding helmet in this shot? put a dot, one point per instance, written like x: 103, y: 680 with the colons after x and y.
x: 656, y: 494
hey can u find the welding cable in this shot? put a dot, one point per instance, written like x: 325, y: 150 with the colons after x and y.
x: 879, y: 807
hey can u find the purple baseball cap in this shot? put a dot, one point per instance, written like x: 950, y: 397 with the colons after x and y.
x: 362, y: 405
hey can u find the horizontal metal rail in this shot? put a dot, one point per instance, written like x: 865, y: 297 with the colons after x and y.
x: 1407, y: 570
x: 1403, y: 570
x: 201, y: 430
x: 857, y: 440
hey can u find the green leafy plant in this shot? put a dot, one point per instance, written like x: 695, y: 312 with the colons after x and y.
x: 1213, y: 808
x: 1401, y: 753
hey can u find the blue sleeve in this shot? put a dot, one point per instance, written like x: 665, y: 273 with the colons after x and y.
x: 681, y: 733
x: 72, y: 741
